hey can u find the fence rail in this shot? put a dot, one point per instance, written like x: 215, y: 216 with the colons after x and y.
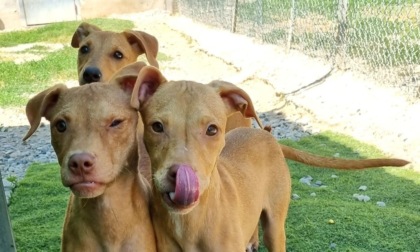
x: 380, y: 38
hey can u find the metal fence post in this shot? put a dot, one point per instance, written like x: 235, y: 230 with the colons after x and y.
x: 291, y: 25
x: 260, y: 13
x: 341, y: 40
x: 234, y: 13
x: 7, y: 243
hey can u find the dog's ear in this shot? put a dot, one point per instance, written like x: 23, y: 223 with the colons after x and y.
x: 40, y: 105
x: 82, y: 32
x: 148, y: 81
x: 126, y: 77
x: 235, y: 99
x: 144, y: 43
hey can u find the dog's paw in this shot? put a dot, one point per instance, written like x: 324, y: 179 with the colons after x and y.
x: 252, y: 247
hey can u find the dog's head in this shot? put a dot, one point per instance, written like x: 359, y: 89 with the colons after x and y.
x: 93, y: 131
x: 102, y: 53
x: 184, y: 132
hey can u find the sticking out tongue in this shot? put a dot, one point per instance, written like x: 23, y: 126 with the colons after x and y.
x: 186, y: 187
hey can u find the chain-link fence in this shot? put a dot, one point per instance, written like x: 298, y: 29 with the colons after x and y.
x: 378, y: 37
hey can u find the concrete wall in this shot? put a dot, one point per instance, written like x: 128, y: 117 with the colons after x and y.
x: 101, y: 8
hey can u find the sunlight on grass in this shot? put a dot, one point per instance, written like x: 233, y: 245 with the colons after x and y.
x: 22, y: 80
x: 404, y: 174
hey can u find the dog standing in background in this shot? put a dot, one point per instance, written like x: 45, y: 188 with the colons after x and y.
x: 102, y: 53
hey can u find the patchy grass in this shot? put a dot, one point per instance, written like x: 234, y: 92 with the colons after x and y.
x: 59, y: 32
x: 38, y: 204
x: 19, y: 81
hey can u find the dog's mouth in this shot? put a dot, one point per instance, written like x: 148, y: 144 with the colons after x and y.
x: 169, y: 199
x: 87, y: 189
x: 186, y: 192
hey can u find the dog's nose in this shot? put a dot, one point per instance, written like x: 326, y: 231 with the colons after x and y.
x: 81, y: 163
x: 92, y: 74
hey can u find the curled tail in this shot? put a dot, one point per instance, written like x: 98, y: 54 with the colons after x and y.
x: 338, y: 163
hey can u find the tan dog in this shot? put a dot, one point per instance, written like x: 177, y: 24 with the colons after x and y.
x: 93, y: 131
x: 210, y: 189
x: 102, y: 53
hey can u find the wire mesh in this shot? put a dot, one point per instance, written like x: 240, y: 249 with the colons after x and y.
x: 380, y: 38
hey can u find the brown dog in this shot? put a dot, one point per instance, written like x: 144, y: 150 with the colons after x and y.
x: 102, y: 53
x: 93, y: 131
x: 210, y: 189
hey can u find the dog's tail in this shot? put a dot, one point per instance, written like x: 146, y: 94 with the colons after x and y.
x: 338, y: 163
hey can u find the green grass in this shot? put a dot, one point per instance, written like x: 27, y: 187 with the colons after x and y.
x: 18, y: 81
x: 37, y: 208
x: 359, y: 226
x: 39, y: 201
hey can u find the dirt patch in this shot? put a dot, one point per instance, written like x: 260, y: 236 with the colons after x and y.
x: 28, y: 52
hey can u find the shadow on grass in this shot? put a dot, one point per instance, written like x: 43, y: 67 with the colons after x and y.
x: 38, y: 204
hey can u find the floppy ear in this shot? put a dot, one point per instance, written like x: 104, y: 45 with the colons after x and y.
x: 148, y: 81
x: 126, y: 77
x: 40, y: 105
x: 82, y: 32
x: 144, y: 43
x: 235, y: 99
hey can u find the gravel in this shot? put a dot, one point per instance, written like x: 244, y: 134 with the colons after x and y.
x: 361, y: 197
x: 16, y: 155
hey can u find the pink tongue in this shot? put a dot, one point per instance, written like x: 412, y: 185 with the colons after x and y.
x: 186, y: 187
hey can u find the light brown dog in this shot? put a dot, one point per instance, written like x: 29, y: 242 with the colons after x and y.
x: 211, y: 189
x: 102, y: 53
x: 93, y: 131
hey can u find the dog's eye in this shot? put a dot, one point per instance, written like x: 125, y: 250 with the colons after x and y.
x: 61, y: 126
x: 84, y: 49
x: 212, y: 130
x: 157, y: 127
x: 118, y: 55
x: 115, y: 123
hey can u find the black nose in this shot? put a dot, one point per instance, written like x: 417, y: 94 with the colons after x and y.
x: 92, y: 74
